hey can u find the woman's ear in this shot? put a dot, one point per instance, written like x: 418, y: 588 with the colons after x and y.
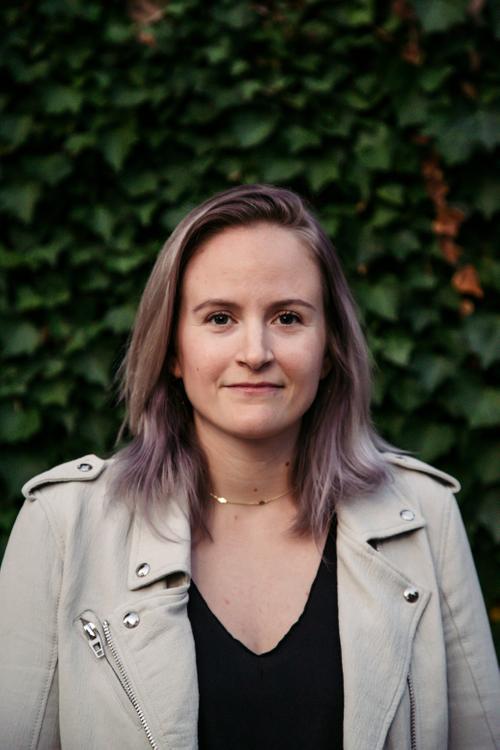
x: 175, y: 367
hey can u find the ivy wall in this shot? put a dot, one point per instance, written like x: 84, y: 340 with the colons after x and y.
x: 116, y: 118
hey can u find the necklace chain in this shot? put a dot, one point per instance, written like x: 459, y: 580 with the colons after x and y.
x: 225, y: 501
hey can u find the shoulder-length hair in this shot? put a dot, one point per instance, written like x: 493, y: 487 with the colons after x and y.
x: 338, y: 452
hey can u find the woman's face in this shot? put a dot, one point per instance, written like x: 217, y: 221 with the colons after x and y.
x: 251, y: 337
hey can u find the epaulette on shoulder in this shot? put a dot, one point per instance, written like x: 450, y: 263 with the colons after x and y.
x: 82, y: 469
x: 413, y: 464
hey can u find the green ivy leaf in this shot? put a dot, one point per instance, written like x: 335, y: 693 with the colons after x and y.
x: 17, y: 423
x: 280, y: 170
x: 60, y: 99
x: 397, y: 348
x: 19, y: 338
x: 487, y: 463
x: 49, y: 169
x: 80, y: 141
x: 374, y: 148
x: 299, y: 138
x: 52, y: 394
x: 392, y: 193
x: 14, y: 130
x: 440, y: 15
x: 119, y: 319
x: 482, y: 332
x: 381, y: 298
x: 487, y: 197
x: 103, y: 222
x: 429, y: 439
x: 408, y: 393
x: 486, y: 412
x: 321, y: 172
x: 93, y: 368
x: 20, y: 199
x: 252, y: 128
x: 431, y: 79
x: 116, y: 146
x: 489, y: 515
x: 432, y: 370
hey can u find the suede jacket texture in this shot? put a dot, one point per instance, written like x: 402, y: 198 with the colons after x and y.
x: 97, y: 650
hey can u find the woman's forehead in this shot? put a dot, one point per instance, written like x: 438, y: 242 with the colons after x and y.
x: 263, y: 253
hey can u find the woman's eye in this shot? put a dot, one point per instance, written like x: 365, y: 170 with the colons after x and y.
x: 288, y: 318
x: 219, y: 319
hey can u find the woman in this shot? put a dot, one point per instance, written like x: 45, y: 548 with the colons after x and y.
x: 256, y: 568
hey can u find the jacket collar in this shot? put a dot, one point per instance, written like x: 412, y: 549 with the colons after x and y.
x: 388, y: 512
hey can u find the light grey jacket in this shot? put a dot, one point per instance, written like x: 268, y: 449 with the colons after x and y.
x: 96, y: 650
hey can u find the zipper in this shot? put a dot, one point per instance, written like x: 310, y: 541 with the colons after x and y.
x: 97, y: 647
x: 93, y: 638
x: 413, y: 722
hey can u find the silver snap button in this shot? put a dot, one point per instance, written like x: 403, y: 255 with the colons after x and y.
x: 410, y: 594
x: 84, y: 467
x: 407, y: 515
x: 142, y: 570
x: 131, y: 620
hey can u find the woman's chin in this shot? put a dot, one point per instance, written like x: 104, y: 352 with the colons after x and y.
x: 262, y: 430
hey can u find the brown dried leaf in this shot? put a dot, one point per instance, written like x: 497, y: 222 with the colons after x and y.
x: 412, y: 53
x: 145, y: 12
x: 451, y: 251
x: 448, y: 221
x: 403, y: 10
x: 466, y: 281
x: 466, y: 307
x: 145, y: 37
x: 431, y: 169
x: 469, y: 90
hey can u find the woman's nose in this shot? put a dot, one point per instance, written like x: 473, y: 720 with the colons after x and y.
x: 255, y: 350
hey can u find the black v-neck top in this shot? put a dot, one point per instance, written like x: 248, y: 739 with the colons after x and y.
x: 289, y: 698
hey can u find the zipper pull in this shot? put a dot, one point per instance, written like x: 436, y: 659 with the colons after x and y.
x: 93, y: 638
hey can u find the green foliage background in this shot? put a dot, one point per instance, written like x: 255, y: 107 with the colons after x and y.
x: 115, y: 119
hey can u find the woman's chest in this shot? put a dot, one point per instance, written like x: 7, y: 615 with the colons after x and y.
x: 256, y: 591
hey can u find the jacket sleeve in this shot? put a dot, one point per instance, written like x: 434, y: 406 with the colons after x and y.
x: 30, y: 581
x: 473, y: 680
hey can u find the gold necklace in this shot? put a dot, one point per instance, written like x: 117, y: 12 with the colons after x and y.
x: 225, y: 501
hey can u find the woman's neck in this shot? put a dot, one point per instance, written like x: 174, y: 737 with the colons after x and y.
x: 248, y: 470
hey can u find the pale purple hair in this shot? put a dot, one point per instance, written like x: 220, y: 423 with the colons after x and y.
x: 340, y: 452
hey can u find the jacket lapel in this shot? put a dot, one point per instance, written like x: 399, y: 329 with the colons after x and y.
x: 377, y: 623
x: 157, y: 554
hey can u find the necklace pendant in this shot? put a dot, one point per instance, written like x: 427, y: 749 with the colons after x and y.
x: 222, y: 500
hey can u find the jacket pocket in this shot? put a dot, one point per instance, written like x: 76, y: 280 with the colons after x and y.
x: 98, y: 636
x: 147, y: 649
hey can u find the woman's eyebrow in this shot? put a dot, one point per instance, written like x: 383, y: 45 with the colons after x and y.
x: 289, y: 302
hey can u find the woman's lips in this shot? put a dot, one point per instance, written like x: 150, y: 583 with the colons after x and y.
x: 255, y: 387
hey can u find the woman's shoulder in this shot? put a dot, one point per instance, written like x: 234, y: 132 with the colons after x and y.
x: 85, y: 469
x: 71, y: 491
x: 411, y: 470
x: 427, y: 492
